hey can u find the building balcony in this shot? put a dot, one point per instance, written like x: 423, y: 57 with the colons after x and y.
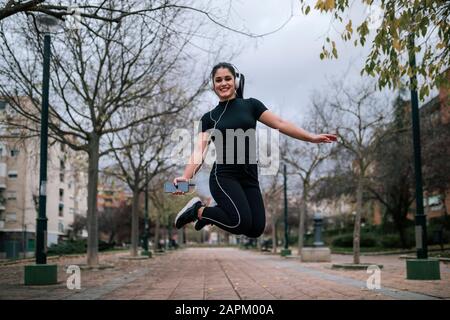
x: 2, y: 183
x: 2, y: 224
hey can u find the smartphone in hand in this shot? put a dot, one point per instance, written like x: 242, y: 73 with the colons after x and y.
x: 182, y: 186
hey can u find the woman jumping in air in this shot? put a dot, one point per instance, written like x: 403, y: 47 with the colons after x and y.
x: 233, y: 181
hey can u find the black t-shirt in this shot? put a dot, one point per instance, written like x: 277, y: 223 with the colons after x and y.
x: 234, y: 137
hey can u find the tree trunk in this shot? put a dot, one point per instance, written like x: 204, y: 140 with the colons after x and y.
x: 444, y: 205
x: 180, y: 237
x: 169, y: 235
x: 157, y: 224
x: 165, y: 237
x: 111, y: 237
x: 301, y: 222
x: 403, y: 243
x: 92, y: 220
x: 357, y: 228
x: 135, y: 223
x: 274, y: 235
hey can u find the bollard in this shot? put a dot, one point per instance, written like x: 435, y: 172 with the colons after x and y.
x: 318, y: 222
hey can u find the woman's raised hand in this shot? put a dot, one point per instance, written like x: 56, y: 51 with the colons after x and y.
x: 324, y: 138
x: 175, y: 182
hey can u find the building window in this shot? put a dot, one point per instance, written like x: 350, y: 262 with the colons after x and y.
x: 11, y: 216
x: 2, y: 105
x: 61, y: 177
x: 63, y: 147
x: 71, y: 210
x: 61, y: 227
x: 11, y: 195
x: 62, y: 165
x: 14, y: 152
x: 12, y: 174
x: 60, y: 210
x: 435, y: 203
x: 61, y: 195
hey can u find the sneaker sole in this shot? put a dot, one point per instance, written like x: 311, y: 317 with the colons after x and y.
x: 188, y: 205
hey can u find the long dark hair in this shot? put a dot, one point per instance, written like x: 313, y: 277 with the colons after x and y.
x: 231, y: 68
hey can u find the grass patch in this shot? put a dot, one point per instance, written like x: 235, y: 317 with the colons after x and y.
x: 440, y: 254
x: 362, y: 249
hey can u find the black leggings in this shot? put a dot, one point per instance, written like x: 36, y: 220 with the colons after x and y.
x: 240, y: 206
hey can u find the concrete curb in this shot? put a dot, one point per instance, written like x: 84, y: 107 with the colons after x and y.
x: 51, y: 258
x: 352, y: 266
x: 444, y: 260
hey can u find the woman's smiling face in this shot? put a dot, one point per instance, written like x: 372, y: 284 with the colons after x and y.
x: 224, y: 84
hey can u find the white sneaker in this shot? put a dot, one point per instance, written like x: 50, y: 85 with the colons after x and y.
x: 188, y: 213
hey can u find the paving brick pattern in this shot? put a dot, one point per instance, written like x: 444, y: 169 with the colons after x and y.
x: 226, y: 273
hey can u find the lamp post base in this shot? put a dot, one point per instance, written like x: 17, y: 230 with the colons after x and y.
x: 423, y: 269
x: 40, y: 274
x: 146, y: 253
x: 319, y: 254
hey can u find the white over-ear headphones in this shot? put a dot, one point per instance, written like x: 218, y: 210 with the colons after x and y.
x: 237, y: 78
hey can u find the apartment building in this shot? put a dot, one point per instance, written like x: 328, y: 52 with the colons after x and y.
x: 19, y: 196
x: 112, y: 193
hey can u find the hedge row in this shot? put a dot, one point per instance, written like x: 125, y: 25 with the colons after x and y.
x: 76, y: 246
x: 390, y: 240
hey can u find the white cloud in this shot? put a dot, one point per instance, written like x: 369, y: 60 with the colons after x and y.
x: 283, y: 69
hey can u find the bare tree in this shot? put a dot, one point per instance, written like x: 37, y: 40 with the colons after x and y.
x: 104, y: 78
x: 165, y: 205
x: 392, y: 177
x: 305, y: 159
x: 393, y: 183
x: 141, y: 154
x: 272, y: 195
x: 78, y: 225
x: 436, y: 152
x: 359, y: 117
x: 101, y: 11
x: 114, y: 11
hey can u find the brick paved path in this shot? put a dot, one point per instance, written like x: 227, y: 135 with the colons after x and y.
x: 226, y: 273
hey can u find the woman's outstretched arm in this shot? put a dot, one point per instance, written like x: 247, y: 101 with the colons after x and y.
x: 288, y: 128
x: 195, y: 160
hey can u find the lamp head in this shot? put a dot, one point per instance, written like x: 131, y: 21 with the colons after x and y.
x: 47, y: 23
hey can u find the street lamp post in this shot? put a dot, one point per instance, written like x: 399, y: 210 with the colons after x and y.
x: 146, y: 252
x: 421, y: 268
x: 285, y: 251
x: 41, y: 223
x: 42, y: 273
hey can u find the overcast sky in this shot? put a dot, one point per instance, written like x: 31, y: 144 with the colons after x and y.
x: 283, y: 69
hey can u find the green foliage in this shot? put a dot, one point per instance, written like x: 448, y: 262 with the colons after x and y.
x: 75, y: 246
x: 437, y: 234
x: 346, y: 240
x: 383, y: 240
x: 400, y: 22
x: 393, y: 241
x: 440, y: 221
